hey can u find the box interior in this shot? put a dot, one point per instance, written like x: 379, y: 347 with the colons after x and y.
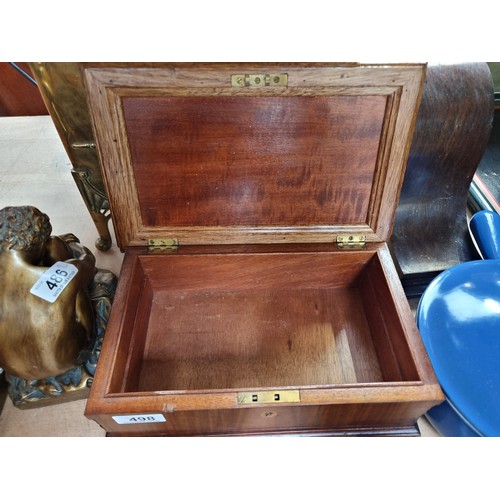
x: 262, y: 320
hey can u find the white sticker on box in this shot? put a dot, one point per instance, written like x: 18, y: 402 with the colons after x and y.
x: 139, y: 419
x: 53, y: 281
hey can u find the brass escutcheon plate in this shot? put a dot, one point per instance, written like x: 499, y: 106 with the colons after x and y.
x: 268, y: 397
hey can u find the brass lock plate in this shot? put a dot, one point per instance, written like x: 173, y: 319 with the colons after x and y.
x: 264, y: 80
x: 268, y: 397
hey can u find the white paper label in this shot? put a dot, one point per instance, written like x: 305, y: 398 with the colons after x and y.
x: 139, y: 419
x: 53, y: 281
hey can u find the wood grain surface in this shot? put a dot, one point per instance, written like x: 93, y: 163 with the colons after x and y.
x: 254, y: 161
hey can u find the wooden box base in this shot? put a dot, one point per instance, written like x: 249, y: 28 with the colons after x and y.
x: 194, y: 333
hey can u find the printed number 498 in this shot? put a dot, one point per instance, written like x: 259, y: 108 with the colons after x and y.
x: 143, y: 419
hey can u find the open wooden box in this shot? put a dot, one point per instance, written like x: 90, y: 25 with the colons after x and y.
x: 257, y: 294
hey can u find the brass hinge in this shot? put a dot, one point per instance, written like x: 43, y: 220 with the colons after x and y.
x: 163, y: 245
x: 265, y: 80
x: 266, y: 397
x: 351, y: 242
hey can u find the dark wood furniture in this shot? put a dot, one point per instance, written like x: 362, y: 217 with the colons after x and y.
x: 254, y: 203
x: 19, y: 96
x: 451, y: 134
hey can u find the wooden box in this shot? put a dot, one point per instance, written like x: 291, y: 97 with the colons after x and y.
x: 257, y: 294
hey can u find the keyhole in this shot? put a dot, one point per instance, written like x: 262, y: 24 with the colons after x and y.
x: 269, y: 414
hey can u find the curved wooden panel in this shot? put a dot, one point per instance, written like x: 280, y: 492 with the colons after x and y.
x: 451, y: 134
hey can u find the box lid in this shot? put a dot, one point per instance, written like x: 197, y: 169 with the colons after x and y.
x: 252, y: 153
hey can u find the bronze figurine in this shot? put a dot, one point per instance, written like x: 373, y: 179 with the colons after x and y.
x: 48, y: 344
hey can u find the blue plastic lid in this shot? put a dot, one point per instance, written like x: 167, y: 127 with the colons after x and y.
x: 459, y: 319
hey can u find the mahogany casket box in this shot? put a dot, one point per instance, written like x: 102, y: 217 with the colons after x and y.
x: 258, y: 294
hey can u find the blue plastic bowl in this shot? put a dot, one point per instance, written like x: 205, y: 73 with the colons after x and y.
x: 459, y: 320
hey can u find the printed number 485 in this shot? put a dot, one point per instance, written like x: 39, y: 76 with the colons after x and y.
x: 56, y: 278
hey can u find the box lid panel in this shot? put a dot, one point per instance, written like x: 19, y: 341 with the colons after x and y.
x: 187, y: 154
x: 254, y: 161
